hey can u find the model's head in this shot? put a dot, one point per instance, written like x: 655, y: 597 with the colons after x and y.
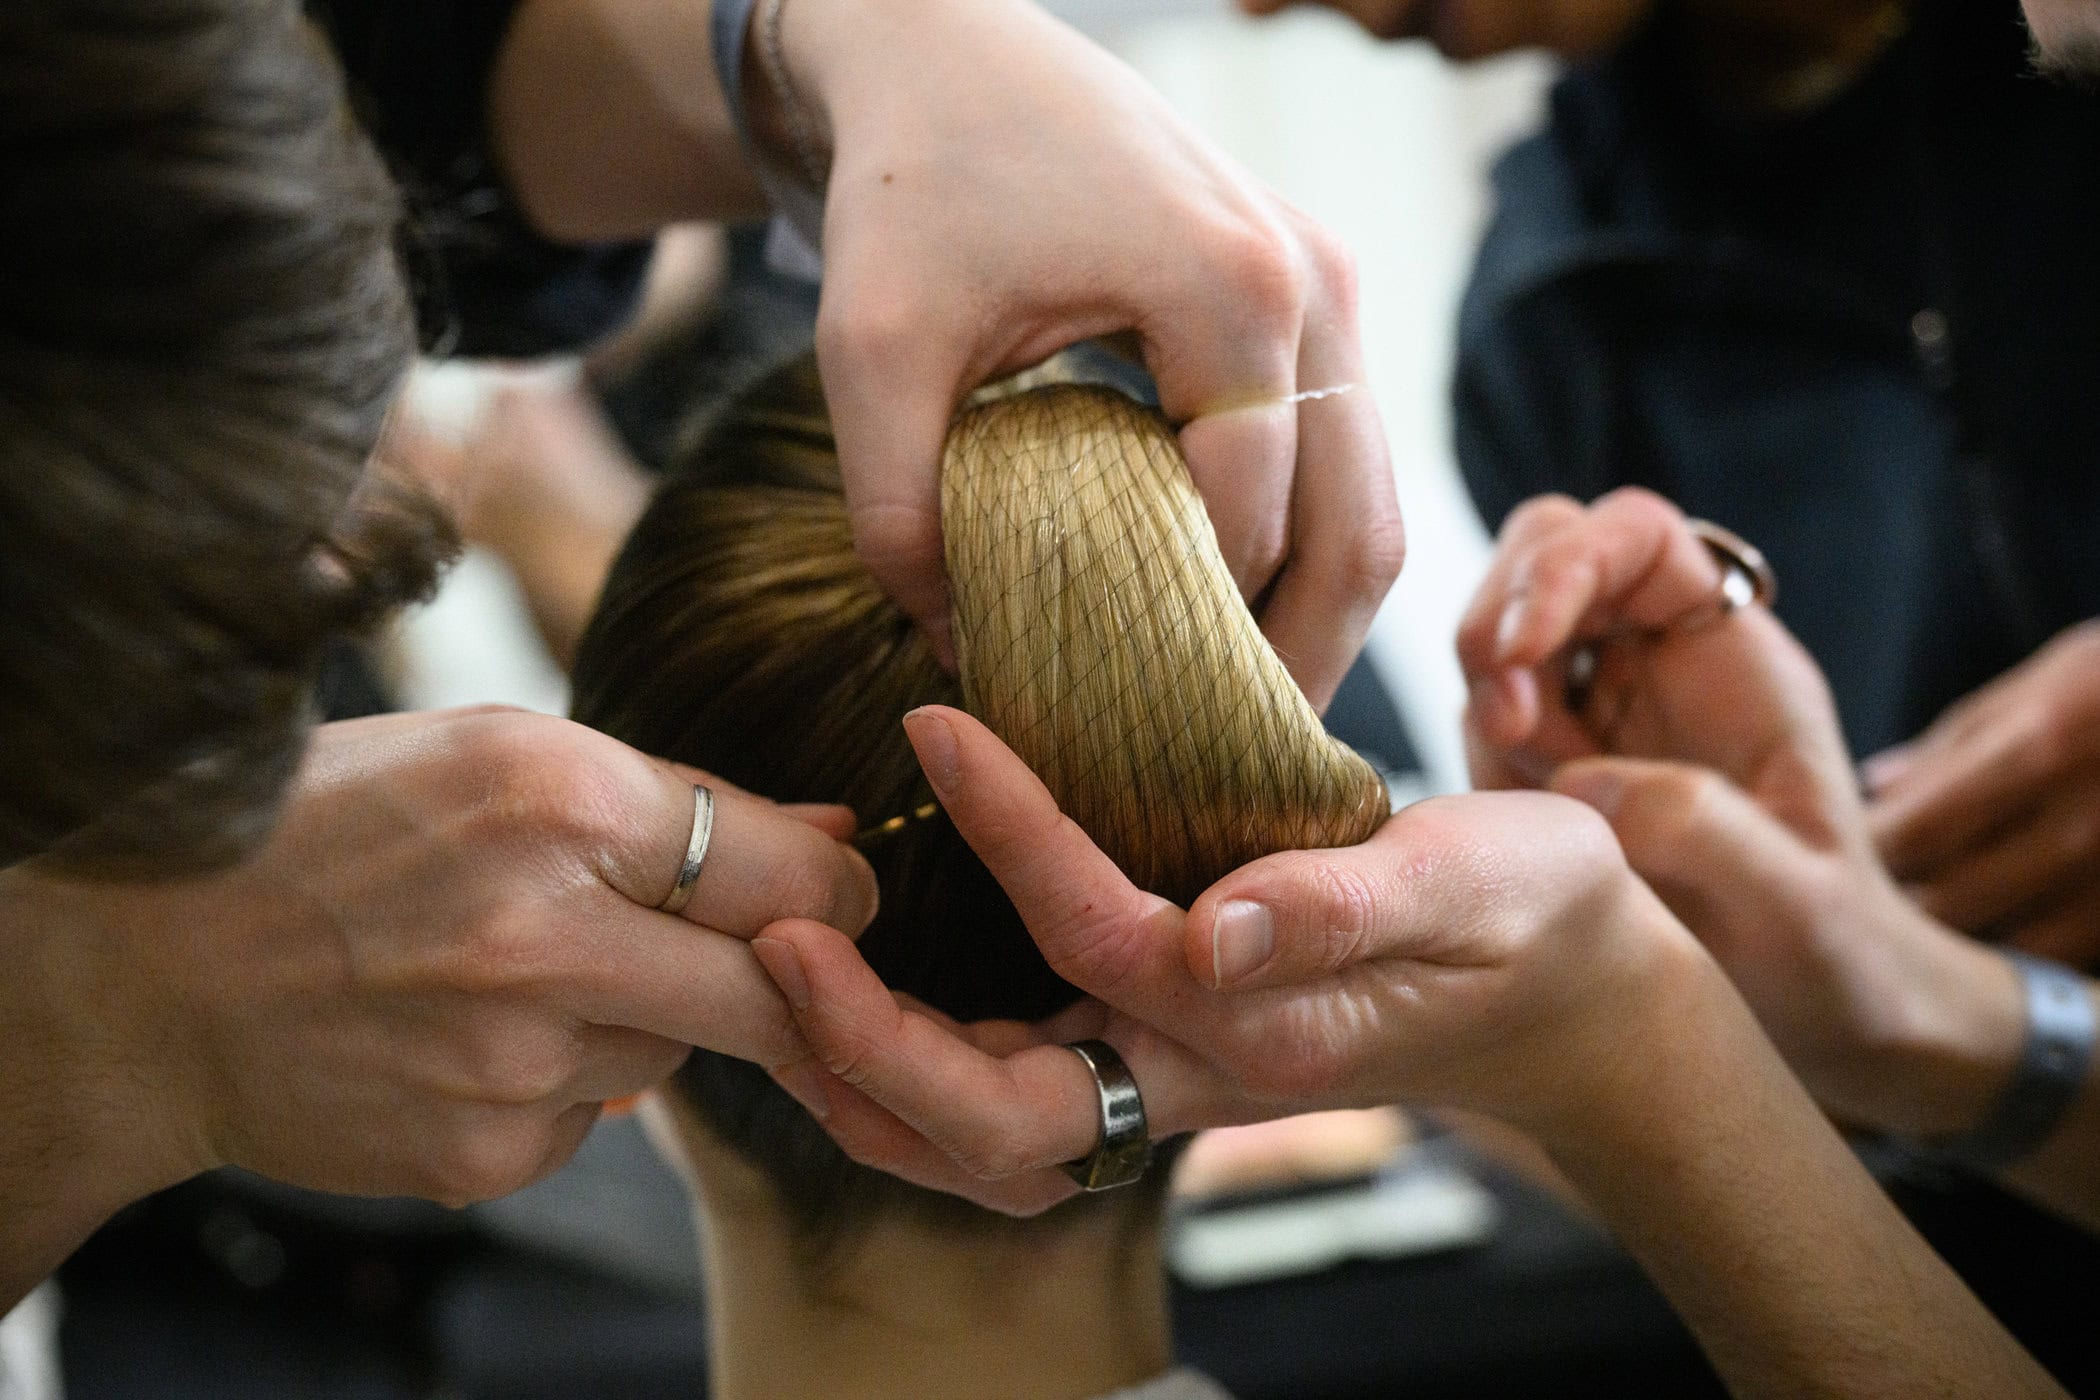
x: 201, y: 328
x: 1099, y: 634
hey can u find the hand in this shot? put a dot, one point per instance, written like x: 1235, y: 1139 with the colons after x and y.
x: 1306, y: 980
x: 1001, y: 189
x: 1992, y: 816
x: 446, y: 955
x: 1626, y: 576
x: 1711, y: 745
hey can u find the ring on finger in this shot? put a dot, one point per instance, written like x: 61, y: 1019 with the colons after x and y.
x: 695, y: 850
x: 1123, y: 1148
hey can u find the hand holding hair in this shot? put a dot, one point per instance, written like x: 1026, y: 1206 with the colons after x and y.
x: 448, y: 952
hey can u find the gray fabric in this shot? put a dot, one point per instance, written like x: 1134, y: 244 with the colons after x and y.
x: 798, y: 229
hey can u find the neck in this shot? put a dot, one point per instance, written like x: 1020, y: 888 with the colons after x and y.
x: 1039, y: 1310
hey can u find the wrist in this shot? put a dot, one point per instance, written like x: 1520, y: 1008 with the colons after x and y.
x: 89, y: 1126
x: 1652, y: 991
x: 1944, y: 1049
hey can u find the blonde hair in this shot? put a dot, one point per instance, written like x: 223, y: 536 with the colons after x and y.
x: 1100, y: 634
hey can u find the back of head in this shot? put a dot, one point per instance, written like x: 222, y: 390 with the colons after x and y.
x: 202, y: 324
x: 1099, y: 635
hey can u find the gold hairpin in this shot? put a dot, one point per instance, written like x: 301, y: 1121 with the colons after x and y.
x: 883, y: 830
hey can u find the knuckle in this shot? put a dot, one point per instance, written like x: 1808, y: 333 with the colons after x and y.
x: 867, y: 327
x: 502, y: 949
x: 995, y: 1160
x: 536, y: 784
x: 1639, y: 504
x: 1373, y: 558
x: 1539, y: 511
x: 1264, y: 267
x: 1334, y: 263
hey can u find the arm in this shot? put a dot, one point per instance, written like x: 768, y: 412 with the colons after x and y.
x: 1571, y: 1005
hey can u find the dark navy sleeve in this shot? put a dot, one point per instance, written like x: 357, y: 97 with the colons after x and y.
x: 486, y: 282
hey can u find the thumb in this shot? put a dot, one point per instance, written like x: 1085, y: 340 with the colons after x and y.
x: 1686, y: 830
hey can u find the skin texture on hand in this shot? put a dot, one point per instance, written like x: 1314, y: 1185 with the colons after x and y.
x: 1352, y: 977
x: 446, y: 956
x: 1023, y: 191
x: 1714, y: 750
x: 1992, y: 816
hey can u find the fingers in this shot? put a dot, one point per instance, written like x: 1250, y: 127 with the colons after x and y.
x: 659, y: 974
x: 993, y: 1116
x: 1412, y: 893
x: 1563, y: 574
x: 1100, y: 932
x: 1300, y: 916
x: 761, y: 863
x: 1347, y: 542
x: 1689, y: 832
x: 2025, y: 872
x: 892, y: 384
x: 1958, y: 796
x: 946, y: 1106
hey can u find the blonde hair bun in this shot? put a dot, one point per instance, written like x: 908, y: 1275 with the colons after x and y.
x: 1100, y: 635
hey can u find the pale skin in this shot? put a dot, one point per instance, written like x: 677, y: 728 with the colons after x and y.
x: 1000, y: 189
x: 1715, y: 753
x: 1567, y: 1002
x: 1068, y: 1306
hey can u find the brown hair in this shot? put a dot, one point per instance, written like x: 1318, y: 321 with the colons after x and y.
x: 739, y: 632
x: 202, y: 325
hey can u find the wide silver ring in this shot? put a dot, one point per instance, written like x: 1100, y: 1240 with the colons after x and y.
x: 1124, y: 1148
x: 695, y: 850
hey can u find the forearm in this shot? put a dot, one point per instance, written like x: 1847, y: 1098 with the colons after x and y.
x: 1789, y: 1264
x: 608, y: 120
x: 82, y: 1132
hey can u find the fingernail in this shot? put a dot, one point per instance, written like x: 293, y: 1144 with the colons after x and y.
x: 809, y: 1084
x: 1600, y: 790
x: 934, y: 740
x: 1241, y: 940
x: 784, y: 965
x: 1514, y: 616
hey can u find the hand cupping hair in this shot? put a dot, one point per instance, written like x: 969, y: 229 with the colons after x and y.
x: 1099, y: 634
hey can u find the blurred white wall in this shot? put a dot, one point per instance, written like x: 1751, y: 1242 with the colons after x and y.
x: 1388, y: 146
x: 1385, y: 144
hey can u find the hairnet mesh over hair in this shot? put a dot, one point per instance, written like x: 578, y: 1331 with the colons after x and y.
x: 1100, y: 634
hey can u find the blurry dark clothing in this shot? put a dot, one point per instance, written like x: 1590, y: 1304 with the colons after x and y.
x: 486, y: 282
x: 1868, y: 338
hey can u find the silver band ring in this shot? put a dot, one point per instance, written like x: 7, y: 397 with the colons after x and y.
x: 1124, y: 1148
x: 1746, y: 575
x: 1747, y: 580
x: 695, y: 850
